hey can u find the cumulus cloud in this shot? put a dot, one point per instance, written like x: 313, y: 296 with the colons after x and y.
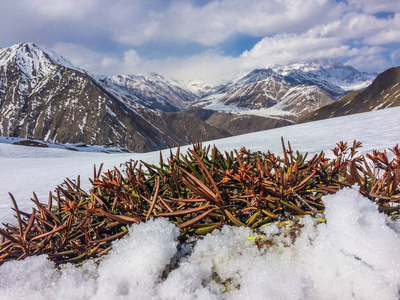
x: 388, y: 33
x: 385, y: 37
x: 217, y: 21
x: 327, y: 42
x: 373, y: 6
x: 289, y: 47
x: 87, y: 59
x: 110, y: 37
x: 56, y: 9
x: 140, y: 21
x: 369, y: 28
x: 132, y: 58
x: 209, y: 66
x: 368, y: 62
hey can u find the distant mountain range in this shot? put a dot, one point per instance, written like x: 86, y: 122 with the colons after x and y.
x: 384, y: 92
x: 152, y: 91
x: 327, y: 75
x: 277, y: 96
x: 45, y: 97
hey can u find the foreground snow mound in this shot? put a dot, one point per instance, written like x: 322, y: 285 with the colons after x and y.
x: 353, y: 256
x: 135, y: 265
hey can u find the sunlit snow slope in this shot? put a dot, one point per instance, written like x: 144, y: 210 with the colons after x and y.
x: 353, y: 256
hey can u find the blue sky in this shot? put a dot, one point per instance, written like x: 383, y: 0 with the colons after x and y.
x: 206, y: 39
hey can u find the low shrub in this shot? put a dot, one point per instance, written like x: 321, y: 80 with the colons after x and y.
x: 198, y: 192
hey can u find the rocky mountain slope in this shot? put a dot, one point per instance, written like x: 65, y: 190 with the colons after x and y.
x: 330, y: 76
x: 384, y: 92
x: 277, y: 96
x: 43, y: 96
x: 152, y: 91
x: 260, y: 100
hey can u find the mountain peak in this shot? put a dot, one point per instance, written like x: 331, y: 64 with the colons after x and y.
x: 343, y: 76
x: 258, y: 75
x: 33, y: 60
x: 152, y: 90
x: 305, y: 66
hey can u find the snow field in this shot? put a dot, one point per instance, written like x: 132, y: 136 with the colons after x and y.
x: 25, y: 169
x: 353, y: 256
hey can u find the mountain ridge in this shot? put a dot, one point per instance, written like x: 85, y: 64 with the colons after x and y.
x: 383, y: 92
x: 262, y: 95
x: 151, y: 90
x: 48, y: 100
x: 344, y: 76
x: 43, y: 95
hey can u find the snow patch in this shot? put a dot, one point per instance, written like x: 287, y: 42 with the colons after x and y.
x: 353, y: 256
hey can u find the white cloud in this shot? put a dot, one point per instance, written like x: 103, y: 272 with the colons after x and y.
x: 385, y: 37
x: 369, y: 63
x: 395, y: 56
x: 61, y: 9
x: 288, y: 48
x: 92, y: 61
x: 290, y: 30
x: 212, y: 66
x: 389, y: 33
x: 373, y: 6
x: 132, y: 58
x: 209, y: 66
x: 137, y: 22
x: 217, y: 21
x: 355, y: 25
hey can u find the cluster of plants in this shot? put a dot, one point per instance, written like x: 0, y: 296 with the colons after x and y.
x: 198, y: 192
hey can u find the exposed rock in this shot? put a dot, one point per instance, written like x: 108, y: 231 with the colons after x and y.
x: 43, y: 96
x: 152, y: 91
x: 384, y: 92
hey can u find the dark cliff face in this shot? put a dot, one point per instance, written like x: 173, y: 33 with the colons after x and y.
x: 42, y: 98
x: 384, y: 92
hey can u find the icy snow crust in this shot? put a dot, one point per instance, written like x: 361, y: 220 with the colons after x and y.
x: 353, y: 256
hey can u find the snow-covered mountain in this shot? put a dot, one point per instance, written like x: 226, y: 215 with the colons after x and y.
x: 326, y: 73
x: 152, y: 90
x: 33, y: 60
x: 263, y: 89
x: 384, y: 92
x: 43, y: 96
x: 277, y: 96
x: 256, y: 76
x: 32, y: 63
x: 199, y: 87
x: 262, y: 99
